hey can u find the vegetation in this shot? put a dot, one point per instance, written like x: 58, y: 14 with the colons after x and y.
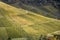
x: 18, y: 23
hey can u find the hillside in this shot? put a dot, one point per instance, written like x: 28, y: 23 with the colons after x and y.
x: 18, y: 23
x: 48, y: 8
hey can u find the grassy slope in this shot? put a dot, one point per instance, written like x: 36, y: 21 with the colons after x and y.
x: 25, y: 23
x: 48, y: 11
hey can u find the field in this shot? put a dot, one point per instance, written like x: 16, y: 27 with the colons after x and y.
x: 20, y: 23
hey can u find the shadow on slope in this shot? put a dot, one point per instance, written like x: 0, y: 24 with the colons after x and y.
x: 48, y: 10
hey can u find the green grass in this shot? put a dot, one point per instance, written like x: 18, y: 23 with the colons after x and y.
x: 16, y: 23
x: 3, y: 33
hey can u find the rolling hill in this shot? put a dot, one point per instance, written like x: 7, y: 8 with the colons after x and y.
x: 18, y: 23
x: 42, y: 7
